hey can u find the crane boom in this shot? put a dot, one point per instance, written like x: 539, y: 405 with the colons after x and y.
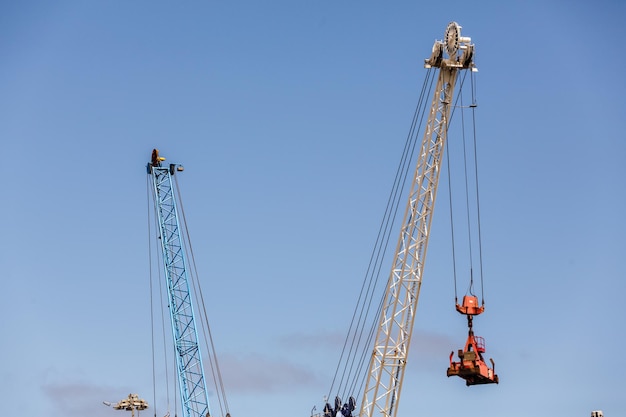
x: 389, y: 356
x: 193, y: 391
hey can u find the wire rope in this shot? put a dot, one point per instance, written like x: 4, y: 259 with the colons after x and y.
x: 358, y: 339
x: 151, y: 294
x: 350, y: 372
x: 465, y: 147
x: 467, y: 198
x: 209, y: 343
x: 165, y: 350
x: 480, y: 244
x: 154, y: 218
x: 451, y: 221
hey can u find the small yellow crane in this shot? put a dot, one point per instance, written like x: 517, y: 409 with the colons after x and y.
x: 132, y: 403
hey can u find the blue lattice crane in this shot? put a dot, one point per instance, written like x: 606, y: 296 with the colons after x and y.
x: 192, y: 385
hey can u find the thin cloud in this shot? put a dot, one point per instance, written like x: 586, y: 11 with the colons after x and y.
x: 323, y: 339
x: 78, y: 399
x: 258, y: 373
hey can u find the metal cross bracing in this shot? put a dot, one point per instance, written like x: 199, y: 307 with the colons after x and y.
x: 190, y: 370
x: 389, y: 356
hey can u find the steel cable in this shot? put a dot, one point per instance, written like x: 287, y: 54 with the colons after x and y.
x: 357, y: 340
x: 214, y: 364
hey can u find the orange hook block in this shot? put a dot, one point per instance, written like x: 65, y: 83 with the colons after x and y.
x: 470, y: 306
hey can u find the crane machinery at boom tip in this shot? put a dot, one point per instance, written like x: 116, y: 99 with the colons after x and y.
x: 383, y: 382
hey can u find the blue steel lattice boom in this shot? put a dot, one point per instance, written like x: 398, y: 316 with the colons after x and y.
x: 194, y: 395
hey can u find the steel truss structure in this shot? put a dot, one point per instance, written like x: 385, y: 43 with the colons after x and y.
x: 193, y: 391
x: 389, y: 356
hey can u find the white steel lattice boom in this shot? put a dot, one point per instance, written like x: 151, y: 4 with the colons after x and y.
x: 388, y: 360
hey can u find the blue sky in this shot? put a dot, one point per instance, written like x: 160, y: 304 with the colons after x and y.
x: 290, y: 118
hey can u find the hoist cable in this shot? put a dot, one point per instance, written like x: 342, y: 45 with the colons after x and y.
x: 371, y: 272
x: 467, y: 202
x: 197, y: 290
x: 151, y: 293
x: 450, y: 192
x: 480, y: 244
x: 165, y: 350
x: 471, y: 245
x: 356, y: 331
x: 215, y: 369
x: 176, y: 390
x: 403, y: 172
x: 405, y: 166
x: 451, y: 221
x: 161, y: 296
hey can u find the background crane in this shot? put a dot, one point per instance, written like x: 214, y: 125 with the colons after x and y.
x: 191, y: 380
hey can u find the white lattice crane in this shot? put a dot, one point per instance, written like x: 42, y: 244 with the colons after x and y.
x: 393, y: 334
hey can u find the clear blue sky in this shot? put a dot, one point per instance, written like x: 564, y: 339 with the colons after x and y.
x: 290, y: 117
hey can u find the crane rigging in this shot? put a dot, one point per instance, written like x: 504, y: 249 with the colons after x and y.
x: 190, y: 370
x: 396, y: 315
